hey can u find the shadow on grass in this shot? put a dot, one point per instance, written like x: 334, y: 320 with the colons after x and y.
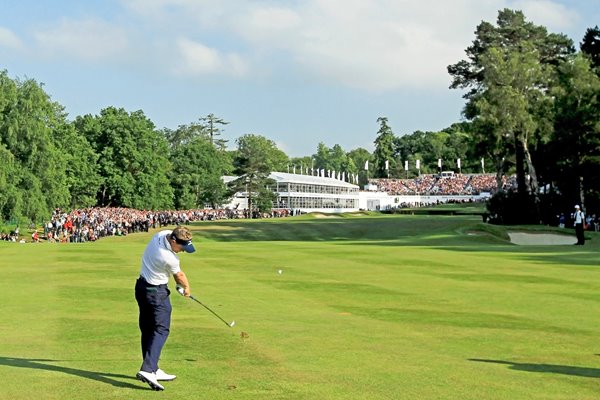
x: 547, y: 368
x: 96, y: 376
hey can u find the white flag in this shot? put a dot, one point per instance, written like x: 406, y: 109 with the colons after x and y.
x: 294, y: 169
x: 367, y: 165
x: 439, y: 163
x: 406, y: 165
x: 418, y: 164
x: 458, y: 163
x: 482, y: 163
x: 387, y: 164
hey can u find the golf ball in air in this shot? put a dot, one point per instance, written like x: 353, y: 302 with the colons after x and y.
x: 280, y: 272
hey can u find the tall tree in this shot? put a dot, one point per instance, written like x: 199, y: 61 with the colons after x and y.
x: 516, y: 83
x: 255, y: 159
x: 197, y: 179
x: 133, y: 159
x: 212, y: 124
x: 356, y: 161
x: 384, y: 149
x: 321, y: 157
x: 27, y: 120
x: 527, y: 51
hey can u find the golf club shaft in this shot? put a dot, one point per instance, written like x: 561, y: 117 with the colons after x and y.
x: 214, y: 313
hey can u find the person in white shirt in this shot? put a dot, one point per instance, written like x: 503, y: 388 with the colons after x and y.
x: 160, y: 260
x: 579, y: 218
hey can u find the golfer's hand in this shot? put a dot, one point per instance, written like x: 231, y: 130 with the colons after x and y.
x: 184, y: 291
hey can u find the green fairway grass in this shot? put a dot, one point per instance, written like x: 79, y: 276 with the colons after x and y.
x: 365, y: 307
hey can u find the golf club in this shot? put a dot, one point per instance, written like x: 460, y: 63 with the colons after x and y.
x: 180, y: 290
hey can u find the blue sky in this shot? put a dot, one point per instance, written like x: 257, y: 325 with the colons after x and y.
x: 297, y: 72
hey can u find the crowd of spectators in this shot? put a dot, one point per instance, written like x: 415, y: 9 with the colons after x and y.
x: 433, y: 184
x: 90, y: 224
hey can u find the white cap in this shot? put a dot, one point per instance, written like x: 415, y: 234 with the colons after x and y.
x: 577, y: 206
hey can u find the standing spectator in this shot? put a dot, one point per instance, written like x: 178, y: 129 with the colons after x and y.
x: 579, y: 218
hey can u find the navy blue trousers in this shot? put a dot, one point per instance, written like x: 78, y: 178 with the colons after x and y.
x: 579, y: 232
x: 155, y: 321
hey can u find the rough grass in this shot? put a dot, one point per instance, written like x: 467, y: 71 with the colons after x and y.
x: 366, y: 307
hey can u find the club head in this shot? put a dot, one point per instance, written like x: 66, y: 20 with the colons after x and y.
x: 232, y: 324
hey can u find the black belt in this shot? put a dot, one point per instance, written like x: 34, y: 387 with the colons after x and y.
x: 149, y: 284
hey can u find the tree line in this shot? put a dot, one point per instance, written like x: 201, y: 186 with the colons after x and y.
x: 532, y: 108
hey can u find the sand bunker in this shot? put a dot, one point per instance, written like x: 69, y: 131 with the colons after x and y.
x: 532, y: 239
x: 319, y: 215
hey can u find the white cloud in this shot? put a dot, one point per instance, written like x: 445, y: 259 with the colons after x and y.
x: 374, y: 45
x: 379, y: 45
x: 194, y: 58
x: 9, y: 39
x: 90, y: 40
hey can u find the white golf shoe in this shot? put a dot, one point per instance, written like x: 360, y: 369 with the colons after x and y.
x: 150, y: 379
x: 163, y: 376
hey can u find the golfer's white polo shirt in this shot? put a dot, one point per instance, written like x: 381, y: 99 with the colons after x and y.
x: 159, y: 260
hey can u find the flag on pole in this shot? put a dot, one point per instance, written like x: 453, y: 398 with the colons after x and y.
x: 294, y: 169
x: 406, y: 165
x: 367, y: 165
x: 418, y: 164
x: 387, y: 164
x: 458, y: 163
x: 439, y: 163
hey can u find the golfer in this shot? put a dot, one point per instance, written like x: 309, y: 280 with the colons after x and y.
x: 159, y: 261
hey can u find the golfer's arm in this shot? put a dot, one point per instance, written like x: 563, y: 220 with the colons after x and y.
x: 182, y: 281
